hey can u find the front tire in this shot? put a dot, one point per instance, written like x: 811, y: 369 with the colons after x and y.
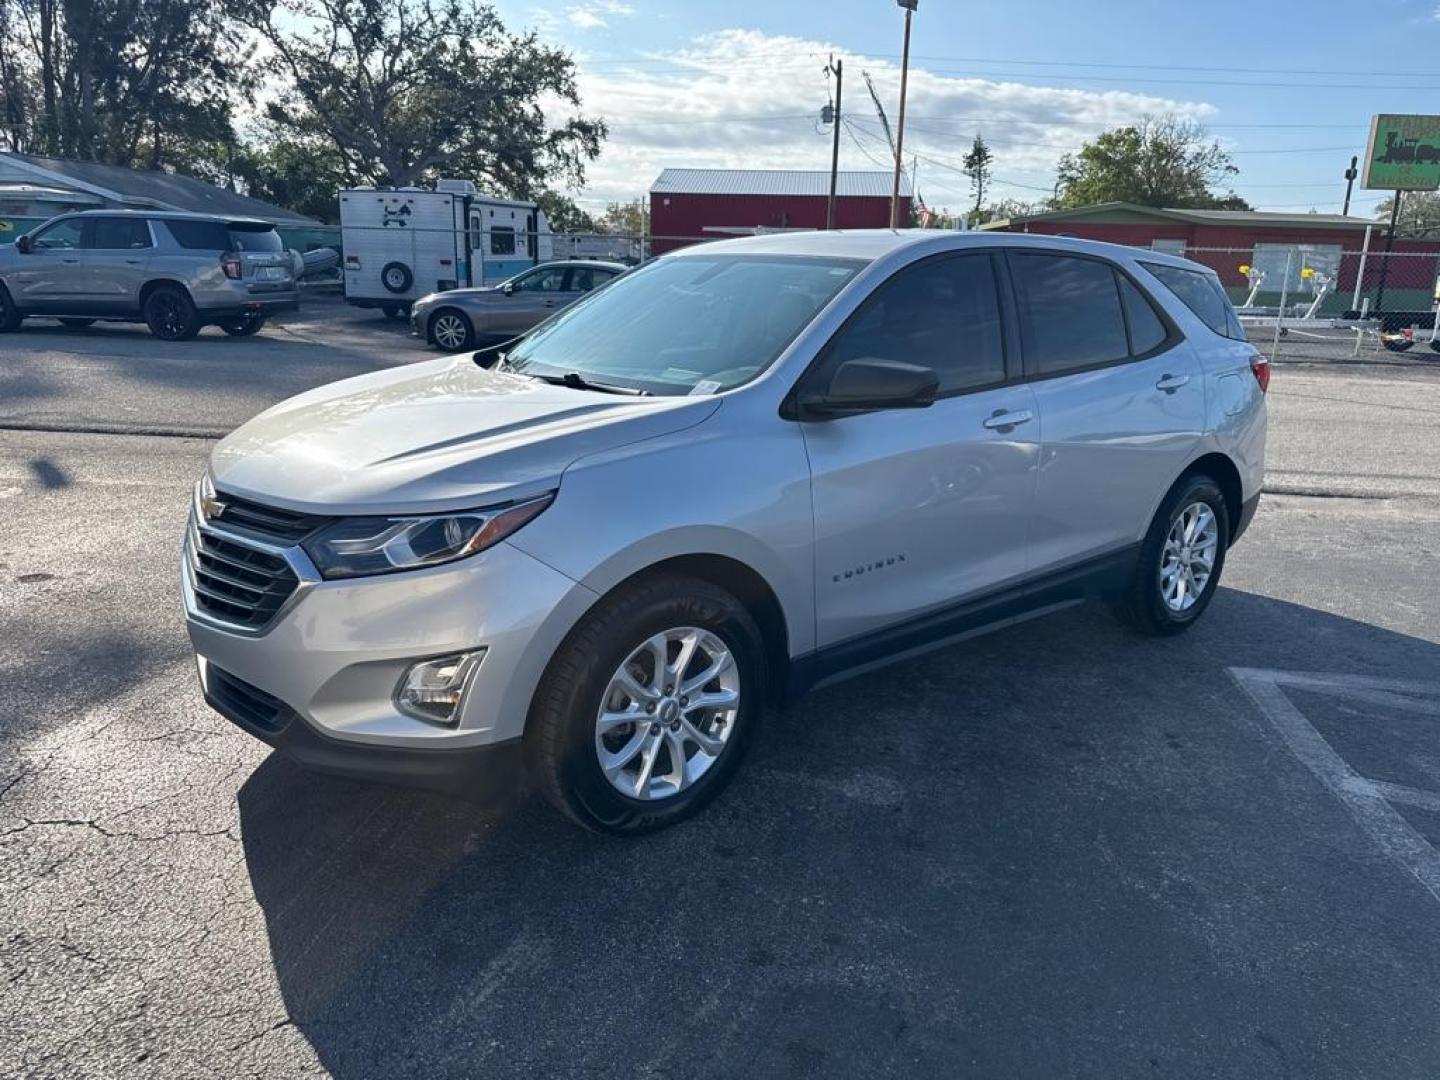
x: 10, y: 317
x: 451, y: 330
x: 1180, y: 561
x: 170, y: 314
x: 623, y: 741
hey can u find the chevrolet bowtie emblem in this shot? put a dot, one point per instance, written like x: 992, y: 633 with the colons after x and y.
x: 211, y: 507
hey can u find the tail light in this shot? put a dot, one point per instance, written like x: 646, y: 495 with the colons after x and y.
x: 1260, y: 368
x: 230, y: 263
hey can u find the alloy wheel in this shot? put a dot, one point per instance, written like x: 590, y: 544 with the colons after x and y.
x: 667, y: 713
x: 1188, y: 559
x: 169, y: 319
x: 450, y: 331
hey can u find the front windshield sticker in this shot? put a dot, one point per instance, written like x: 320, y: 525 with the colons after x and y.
x: 708, y: 386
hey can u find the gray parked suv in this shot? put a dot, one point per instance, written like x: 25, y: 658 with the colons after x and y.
x: 175, y: 272
x: 742, y: 469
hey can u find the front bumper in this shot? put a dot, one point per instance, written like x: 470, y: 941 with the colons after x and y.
x: 457, y: 771
x: 333, y: 656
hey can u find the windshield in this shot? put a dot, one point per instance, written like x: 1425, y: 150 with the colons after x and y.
x: 247, y: 239
x: 693, y: 324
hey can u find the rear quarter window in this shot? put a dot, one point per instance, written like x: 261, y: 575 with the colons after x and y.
x: 1203, y: 295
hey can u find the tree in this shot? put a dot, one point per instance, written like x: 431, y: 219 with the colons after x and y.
x: 563, y: 215
x: 303, y: 175
x: 146, y: 83
x: 1164, y: 162
x: 404, y: 91
x: 1419, y: 213
x: 976, y: 165
x: 625, y: 219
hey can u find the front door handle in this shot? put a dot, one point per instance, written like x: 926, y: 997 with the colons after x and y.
x: 71, y: 261
x: 1002, y: 420
x: 1171, y: 383
x: 549, y: 303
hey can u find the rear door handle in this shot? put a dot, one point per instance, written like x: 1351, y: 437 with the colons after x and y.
x: 72, y: 261
x: 1171, y: 383
x: 1001, y: 420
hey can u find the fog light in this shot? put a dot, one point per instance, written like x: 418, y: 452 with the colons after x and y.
x: 435, y: 689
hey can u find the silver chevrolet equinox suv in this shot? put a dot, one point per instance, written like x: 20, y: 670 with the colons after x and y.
x: 743, y: 469
x: 175, y: 272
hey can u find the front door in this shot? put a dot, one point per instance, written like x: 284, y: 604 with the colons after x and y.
x: 918, y: 509
x: 49, y: 278
x: 533, y: 296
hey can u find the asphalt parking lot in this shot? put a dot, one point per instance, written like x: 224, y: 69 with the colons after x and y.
x: 1055, y: 851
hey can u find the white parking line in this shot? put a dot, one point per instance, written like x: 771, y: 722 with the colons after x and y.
x: 1368, y: 800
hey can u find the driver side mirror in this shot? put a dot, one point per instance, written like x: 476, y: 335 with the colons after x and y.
x: 869, y: 385
x: 507, y: 289
x: 22, y: 244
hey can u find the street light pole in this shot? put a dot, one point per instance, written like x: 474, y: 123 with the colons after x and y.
x: 909, y: 6
x: 1350, y: 174
x: 839, y: 68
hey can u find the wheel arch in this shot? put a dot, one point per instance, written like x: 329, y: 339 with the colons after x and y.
x: 747, y: 585
x: 1224, y: 472
x: 148, y: 289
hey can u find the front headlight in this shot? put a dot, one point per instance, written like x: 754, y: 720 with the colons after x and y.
x: 355, y: 546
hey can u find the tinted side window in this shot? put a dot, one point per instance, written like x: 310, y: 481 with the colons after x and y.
x: 1201, y: 293
x: 1147, y: 331
x: 119, y: 234
x: 943, y: 314
x: 62, y: 236
x: 199, y: 235
x: 548, y: 280
x: 1070, y: 315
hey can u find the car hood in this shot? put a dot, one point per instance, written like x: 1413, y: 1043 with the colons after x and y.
x: 441, y: 435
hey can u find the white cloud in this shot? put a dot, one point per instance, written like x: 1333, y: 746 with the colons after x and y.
x: 743, y: 99
x: 596, y: 14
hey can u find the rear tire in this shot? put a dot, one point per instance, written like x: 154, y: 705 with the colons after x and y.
x: 247, y: 326
x: 170, y: 314
x: 566, y: 734
x: 1178, y: 570
x: 77, y: 324
x: 10, y: 317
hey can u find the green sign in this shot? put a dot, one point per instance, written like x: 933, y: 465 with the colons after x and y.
x: 1404, y: 153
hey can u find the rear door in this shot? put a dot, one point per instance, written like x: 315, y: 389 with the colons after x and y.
x: 1121, y: 402
x: 117, y: 258
x: 917, y: 509
x: 49, y: 278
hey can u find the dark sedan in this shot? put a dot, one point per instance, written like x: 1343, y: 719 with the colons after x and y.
x: 462, y: 318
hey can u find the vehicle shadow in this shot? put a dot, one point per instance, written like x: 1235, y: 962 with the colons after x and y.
x: 1057, y: 850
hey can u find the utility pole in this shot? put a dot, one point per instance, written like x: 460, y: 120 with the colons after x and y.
x: 1350, y: 174
x: 1385, y: 259
x: 838, y: 67
x: 909, y: 6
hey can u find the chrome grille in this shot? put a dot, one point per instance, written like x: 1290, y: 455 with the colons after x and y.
x: 235, y: 582
x: 271, y: 522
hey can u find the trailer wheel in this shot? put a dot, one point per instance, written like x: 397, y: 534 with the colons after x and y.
x: 394, y: 311
x: 1397, y: 343
x: 396, y: 277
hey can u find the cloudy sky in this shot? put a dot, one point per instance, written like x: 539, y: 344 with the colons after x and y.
x: 740, y: 83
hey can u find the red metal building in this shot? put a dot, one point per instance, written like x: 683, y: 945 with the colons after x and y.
x: 687, y: 205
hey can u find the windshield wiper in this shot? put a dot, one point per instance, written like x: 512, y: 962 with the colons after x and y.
x: 575, y: 381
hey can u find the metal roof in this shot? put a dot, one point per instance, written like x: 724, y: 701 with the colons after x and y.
x: 160, y: 190
x: 1202, y: 217
x: 775, y: 182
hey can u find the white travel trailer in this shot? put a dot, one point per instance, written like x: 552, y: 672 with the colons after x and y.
x: 403, y: 243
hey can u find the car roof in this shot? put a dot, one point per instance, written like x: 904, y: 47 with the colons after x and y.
x: 872, y: 244
x: 601, y: 264
x: 175, y: 215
